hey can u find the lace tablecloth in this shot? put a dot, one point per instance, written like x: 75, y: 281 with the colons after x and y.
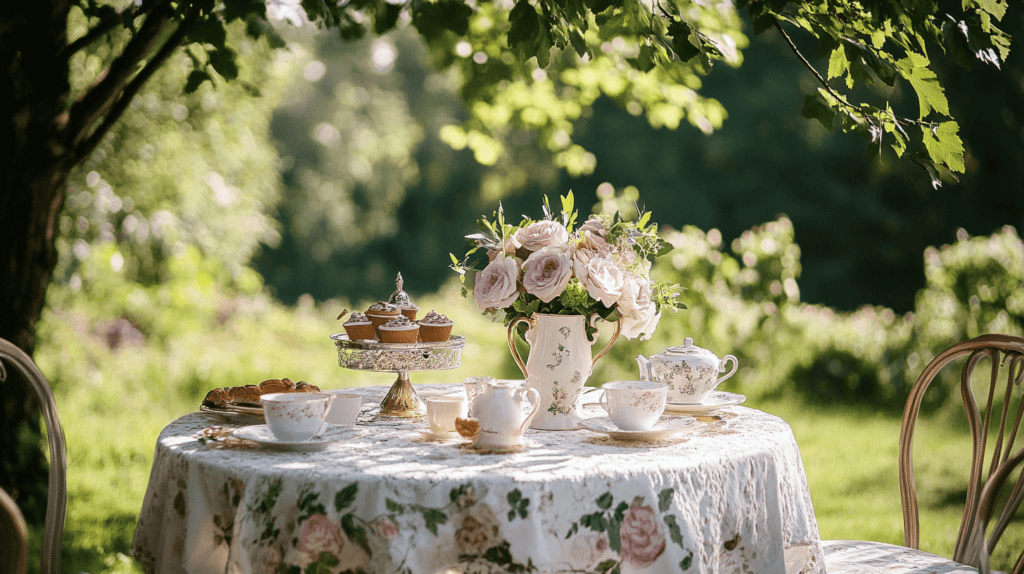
x: 728, y: 496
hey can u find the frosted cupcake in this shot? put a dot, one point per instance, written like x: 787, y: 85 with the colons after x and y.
x: 359, y: 327
x: 435, y: 328
x: 380, y: 313
x: 399, y: 330
x: 409, y: 310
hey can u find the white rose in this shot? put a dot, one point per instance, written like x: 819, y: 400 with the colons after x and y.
x: 540, y: 234
x: 591, y: 241
x: 496, y: 284
x: 639, y: 314
x: 594, y: 225
x: 547, y: 272
x: 601, y: 277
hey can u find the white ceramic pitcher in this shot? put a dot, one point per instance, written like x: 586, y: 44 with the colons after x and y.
x: 498, y: 405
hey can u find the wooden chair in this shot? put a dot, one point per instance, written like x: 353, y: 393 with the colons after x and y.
x: 1006, y: 354
x: 990, y: 497
x: 57, y: 498
x: 13, y: 537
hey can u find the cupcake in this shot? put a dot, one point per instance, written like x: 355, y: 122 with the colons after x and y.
x: 435, y: 328
x: 400, y: 330
x: 380, y: 313
x: 359, y: 327
x: 409, y: 310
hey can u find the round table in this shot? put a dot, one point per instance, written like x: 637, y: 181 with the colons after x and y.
x: 727, y: 495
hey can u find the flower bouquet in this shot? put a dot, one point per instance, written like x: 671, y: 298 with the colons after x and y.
x: 551, y: 267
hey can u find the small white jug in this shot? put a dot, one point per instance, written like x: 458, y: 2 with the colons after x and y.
x: 497, y: 404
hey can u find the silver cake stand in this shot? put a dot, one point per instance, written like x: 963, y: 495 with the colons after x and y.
x: 402, y: 358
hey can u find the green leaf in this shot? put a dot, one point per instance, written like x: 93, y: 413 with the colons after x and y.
x: 614, y: 537
x: 997, y: 8
x: 514, y: 497
x: 528, y: 35
x: 930, y: 95
x: 432, y: 19
x: 223, y: 61
x: 604, y: 502
x: 665, y: 499
x: 433, y: 517
x: 686, y: 562
x: 815, y: 108
x: 355, y: 532
x: 235, y: 9
x: 673, y: 530
x: 195, y: 79
x: 620, y: 511
x: 391, y: 505
x: 606, y: 565
x: 345, y: 497
x: 386, y: 17
x: 945, y: 146
x: 682, y: 44
x: 838, y: 64
x: 575, y: 528
x: 209, y: 30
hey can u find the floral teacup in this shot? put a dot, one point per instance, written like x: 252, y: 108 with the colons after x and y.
x: 295, y: 417
x: 634, y: 405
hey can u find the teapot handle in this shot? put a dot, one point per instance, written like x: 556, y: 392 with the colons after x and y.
x: 615, y: 336
x: 512, y: 344
x: 536, y: 406
x: 722, y: 367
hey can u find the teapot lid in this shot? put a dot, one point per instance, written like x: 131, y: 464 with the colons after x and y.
x: 688, y: 348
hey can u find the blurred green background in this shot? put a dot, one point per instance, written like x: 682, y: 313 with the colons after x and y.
x: 216, y: 236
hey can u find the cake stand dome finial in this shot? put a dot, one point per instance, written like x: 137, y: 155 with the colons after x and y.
x: 399, y: 297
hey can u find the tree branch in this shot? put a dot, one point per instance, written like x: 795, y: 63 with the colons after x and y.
x: 152, y: 65
x: 97, y: 101
x: 101, y: 29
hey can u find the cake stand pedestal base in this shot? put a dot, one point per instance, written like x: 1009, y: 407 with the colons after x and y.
x: 402, y: 400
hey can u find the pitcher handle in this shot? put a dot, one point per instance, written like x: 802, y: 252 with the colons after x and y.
x: 536, y: 407
x: 512, y: 344
x: 615, y: 336
x: 725, y: 363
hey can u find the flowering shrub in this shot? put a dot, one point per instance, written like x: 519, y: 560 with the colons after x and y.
x: 547, y: 266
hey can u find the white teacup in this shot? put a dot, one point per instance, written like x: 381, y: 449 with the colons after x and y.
x: 295, y: 417
x: 634, y: 405
x: 442, y: 412
x: 344, y: 407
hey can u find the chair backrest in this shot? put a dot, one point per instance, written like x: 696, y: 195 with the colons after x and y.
x: 1006, y: 355
x: 57, y: 496
x: 13, y: 537
x: 990, y: 497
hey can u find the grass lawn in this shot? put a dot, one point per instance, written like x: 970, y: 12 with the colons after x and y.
x: 114, y: 407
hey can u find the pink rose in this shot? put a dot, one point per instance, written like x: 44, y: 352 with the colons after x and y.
x: 595, y: 226
x: 642, y: 542
x: 601, y: 277
x: 496, y: 284
x: 547, y: 272
x: 540, y: 234
x: 387, y: 528
x: 640, y: 315
x: 318, y: 535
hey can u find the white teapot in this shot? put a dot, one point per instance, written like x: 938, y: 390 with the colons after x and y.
x: 497, y: 404
x: 689, y: 371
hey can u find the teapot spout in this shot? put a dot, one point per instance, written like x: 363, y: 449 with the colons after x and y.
x: 645, y: 367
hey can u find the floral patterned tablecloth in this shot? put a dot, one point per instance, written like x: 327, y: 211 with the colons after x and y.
x: 728, y: 496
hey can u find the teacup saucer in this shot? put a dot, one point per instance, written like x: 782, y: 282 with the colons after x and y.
x: 429, y: 433
x: 714, y: 401
x: 263, y: 436
x: 663, y: 428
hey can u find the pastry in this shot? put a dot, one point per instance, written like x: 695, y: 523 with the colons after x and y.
x: 359, y: 327
x: 249, y: 395
x: 400, y: 330
x: 435, y: 328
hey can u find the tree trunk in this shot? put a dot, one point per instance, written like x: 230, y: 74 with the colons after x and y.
x: 34, y: 170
